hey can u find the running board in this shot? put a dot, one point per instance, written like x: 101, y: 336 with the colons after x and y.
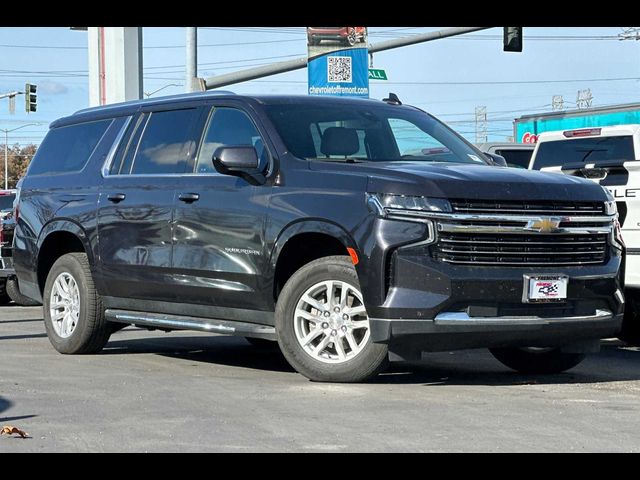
x: 176, y: 322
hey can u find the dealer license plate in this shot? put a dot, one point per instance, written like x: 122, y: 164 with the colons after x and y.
x: 545, y: 288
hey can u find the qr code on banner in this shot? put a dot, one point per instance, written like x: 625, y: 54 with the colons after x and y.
x: 340, y: 69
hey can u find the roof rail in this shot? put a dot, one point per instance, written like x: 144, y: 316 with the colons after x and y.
x: 148, y: 101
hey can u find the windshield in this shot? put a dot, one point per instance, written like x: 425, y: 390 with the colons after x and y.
x: 358, y: 133
x: 583, y: 150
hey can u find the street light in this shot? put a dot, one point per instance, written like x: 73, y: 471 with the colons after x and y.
x: 6, y: 150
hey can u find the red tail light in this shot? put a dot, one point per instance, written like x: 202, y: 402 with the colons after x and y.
x: 585, y: 132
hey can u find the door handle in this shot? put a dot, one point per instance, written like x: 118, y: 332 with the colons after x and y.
x: 116, y: 197
x: 189, y: 197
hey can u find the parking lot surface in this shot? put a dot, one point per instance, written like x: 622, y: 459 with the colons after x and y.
x: 154, y: 391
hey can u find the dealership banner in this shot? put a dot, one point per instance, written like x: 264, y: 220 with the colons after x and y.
x: 338, y: 61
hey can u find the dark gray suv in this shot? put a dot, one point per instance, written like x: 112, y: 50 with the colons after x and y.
x: 351, y: 231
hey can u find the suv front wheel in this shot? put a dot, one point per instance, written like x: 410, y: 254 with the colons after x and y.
x: 322, y: 324
x: 73, y: 312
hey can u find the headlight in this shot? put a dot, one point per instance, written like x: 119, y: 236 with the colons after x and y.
x: 385, y: 203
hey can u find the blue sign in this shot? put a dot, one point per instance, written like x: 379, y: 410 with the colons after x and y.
x: 338, y: 61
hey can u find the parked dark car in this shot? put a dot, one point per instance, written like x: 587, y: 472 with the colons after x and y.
x: 6, y: 202
x: 351, y: 231
x: 9, y: 287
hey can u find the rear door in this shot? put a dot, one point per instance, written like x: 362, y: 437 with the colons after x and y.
x: 135, y: 207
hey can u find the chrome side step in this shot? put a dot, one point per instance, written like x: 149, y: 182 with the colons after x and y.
x: 176, y: 322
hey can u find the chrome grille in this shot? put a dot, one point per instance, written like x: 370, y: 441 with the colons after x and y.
x: 517, y: 249
x: 513, y: 233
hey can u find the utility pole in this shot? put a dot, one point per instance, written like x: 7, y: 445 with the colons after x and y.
x: 191, y: 59
x: 6, y: 150
x: 298, y: 63
x: 481, y: 125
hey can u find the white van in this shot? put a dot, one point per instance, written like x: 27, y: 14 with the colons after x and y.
x: 611, y: 157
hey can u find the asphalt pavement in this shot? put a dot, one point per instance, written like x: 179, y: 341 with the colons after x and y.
x: 191, y: 392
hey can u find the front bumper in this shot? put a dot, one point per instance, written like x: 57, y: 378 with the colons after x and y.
x: 457, y: 330
x: 420, y: 303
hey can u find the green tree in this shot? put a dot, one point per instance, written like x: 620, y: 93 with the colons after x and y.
x: 18, y: 161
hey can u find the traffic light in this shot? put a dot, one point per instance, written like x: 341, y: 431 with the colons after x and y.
x: 512, y: 39
x: 30, y: 97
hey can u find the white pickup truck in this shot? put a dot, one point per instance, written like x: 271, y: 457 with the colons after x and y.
x: 611, y: 157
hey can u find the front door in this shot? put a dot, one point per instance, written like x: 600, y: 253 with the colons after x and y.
x: 135, y: 208
x: 219, y: 254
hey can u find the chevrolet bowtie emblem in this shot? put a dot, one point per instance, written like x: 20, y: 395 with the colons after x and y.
x: 544, y: 225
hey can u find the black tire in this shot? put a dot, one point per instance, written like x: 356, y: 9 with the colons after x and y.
x: 261, y: 342
x: 371, y: 360
x: 630, y: 333
x: 543, y: 361
x: 4, y: 297
x: 92, y: 330
x: 13, y: 290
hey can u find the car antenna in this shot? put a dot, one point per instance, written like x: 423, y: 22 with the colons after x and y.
x: 393, y: 99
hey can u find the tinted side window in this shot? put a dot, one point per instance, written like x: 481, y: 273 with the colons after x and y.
x: 67, y: 149
x: 165, y: 143
x: 229, y: 127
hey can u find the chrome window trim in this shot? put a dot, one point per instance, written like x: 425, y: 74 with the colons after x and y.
x: 114, y: 147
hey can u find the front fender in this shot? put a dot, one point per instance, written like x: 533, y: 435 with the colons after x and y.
x: 323, y: 226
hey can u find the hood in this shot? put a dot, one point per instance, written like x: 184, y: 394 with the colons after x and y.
x: 468, y: 181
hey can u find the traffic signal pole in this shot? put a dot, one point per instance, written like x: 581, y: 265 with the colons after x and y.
x: 301, y: 62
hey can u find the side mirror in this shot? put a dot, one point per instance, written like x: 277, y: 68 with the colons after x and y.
x: 498, y: 160
x: 238, y: 161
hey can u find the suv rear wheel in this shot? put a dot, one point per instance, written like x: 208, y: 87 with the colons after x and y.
x: 73, y: 312
x: 322, y: 324
x: 537, y: 360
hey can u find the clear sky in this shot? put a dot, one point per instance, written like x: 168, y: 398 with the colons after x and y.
x: 447, y: 77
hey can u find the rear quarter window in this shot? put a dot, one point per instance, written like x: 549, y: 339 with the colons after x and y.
x: 67, y: 149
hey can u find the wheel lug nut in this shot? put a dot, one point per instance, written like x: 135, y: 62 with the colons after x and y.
x: 344, y: 328
x: 337, y: 309
x: 325, y: 325
x: 334, y: 333
x: 326, y: 314
x: 345, y: 317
